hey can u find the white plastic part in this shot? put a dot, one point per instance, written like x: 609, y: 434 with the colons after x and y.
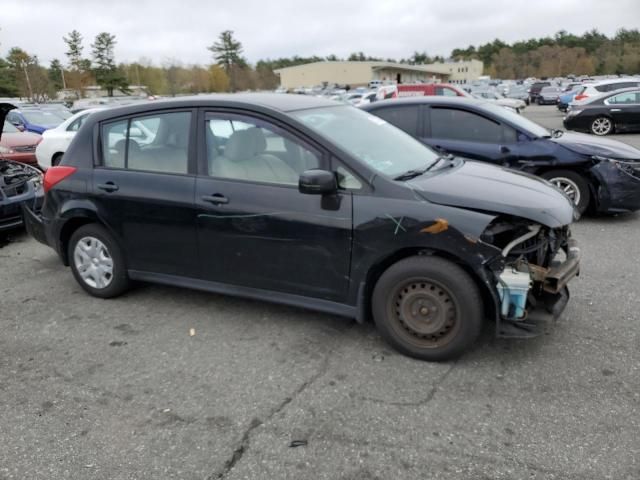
x: 513, y: 289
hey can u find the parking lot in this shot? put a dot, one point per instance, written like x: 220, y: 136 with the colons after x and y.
x: 168, y: 383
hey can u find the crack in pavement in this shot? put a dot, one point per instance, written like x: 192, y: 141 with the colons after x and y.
x: 418, y: 403
x: 238, y: 453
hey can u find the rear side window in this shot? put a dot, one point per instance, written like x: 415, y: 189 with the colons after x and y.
x: 445, y: 92
x: 454, y: 124
x: 154, y: 143
x: 624, y: 98
x: 405, y: 118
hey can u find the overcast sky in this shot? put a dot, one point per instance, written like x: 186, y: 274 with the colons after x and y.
x: 161, y: 30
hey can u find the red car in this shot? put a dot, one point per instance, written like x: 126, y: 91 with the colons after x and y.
x: 18, y: 146
x: 419, y: 90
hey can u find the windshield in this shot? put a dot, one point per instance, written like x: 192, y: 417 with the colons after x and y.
x: 370, y: 139
x: 517, y: 120
x: 36, y: 117
x: 8, y: 128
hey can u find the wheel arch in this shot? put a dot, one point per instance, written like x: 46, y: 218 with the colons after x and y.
x: 74, y: 222
x: 489, y: 298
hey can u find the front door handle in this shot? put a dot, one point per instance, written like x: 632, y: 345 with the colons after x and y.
x: 108, y: 187
x: 216, y: 199
x: 504, y: 149
x: 615, y: 110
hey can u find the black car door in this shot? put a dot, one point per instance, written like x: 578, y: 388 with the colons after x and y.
x: 144, y: 189
x: 624, y: 108
x: 255, y: 229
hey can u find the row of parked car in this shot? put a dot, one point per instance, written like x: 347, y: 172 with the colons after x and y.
x: 429, y: 214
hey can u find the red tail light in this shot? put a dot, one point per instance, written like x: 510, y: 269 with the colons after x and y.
x: 581, y: 97
x: 55, y: 175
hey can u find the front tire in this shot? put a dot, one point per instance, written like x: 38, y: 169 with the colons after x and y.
x: 428, y: 308
x: 573, y: 184
x: 97, y: 262
x: 602, y: 126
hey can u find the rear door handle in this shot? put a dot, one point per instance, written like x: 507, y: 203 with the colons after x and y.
x: 615, y: 110
x: 108, y: 187
x: 216, y: 199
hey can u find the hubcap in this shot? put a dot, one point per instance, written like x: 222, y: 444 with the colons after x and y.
x: 93, y: 262
x: 569, y: 187
x: 601, y: 126
x: 424, y: 313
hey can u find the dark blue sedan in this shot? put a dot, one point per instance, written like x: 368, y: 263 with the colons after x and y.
x: 595, y: 173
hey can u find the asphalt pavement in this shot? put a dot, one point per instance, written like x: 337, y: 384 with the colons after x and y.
x: 166, y: 383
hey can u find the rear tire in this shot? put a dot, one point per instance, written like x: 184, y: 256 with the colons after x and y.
x: 601, y: 126
x: 428, y: 308
x: 97, y: 261
x: 573, y: 184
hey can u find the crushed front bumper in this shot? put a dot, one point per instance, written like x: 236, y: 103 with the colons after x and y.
x: 552, y: 295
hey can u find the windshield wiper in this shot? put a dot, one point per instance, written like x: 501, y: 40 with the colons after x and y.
x: 409, y: 174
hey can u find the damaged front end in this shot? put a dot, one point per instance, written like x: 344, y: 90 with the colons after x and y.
x: 531, y: 273
x: 618, y: 184
x: 19, y: 184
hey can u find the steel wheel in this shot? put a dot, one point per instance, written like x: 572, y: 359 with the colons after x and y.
x: 93, y: 262
x: 569, y: 187
x: 602, y: 126
x: 424, y: 313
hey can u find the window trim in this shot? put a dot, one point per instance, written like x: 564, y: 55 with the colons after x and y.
x: 98, y: 161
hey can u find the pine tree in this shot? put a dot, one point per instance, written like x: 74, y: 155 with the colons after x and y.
x: 227, y: 52
x: 107, y: 73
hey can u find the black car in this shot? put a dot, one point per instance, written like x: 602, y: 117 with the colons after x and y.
x: 597, y: 173
x: 19, y: 183
x: 307, y: 202
x: 534, y: 90
x: 618, y: 111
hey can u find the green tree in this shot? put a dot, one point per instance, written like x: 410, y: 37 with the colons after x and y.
x: 79, y: 75
x: 227, y: 52
x: 108, y: 75
x: 56, y: 74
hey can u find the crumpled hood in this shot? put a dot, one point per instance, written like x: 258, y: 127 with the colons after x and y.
x: 591, y: 145
x: 4, y: 109
x: 490, y: 188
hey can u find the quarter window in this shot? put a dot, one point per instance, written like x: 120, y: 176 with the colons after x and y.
x: 453, y: 124
x: 154, y: 143
x: 405, y: 118
x: 243, y: 148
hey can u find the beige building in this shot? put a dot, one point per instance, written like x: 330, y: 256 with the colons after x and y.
x: 356, y: 73
x: 361, y: 73
x: 460, y: 72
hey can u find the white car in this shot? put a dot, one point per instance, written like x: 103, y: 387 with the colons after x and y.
x: 56, y: 140
x: 596, y: 89
x: 512, y: 103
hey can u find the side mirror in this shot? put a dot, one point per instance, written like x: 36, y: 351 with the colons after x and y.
x: 317, y: 182
x: 20, y: 127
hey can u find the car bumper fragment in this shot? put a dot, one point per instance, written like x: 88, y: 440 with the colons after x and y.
x: 34, y: 223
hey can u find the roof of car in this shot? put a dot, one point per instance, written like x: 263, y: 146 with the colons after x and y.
x: 276, y: 101
x: 429, y: 99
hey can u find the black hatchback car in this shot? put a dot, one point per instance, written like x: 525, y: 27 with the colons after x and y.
x: 613, y: 112
x: 594, y: 172
x: 309, y: 203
